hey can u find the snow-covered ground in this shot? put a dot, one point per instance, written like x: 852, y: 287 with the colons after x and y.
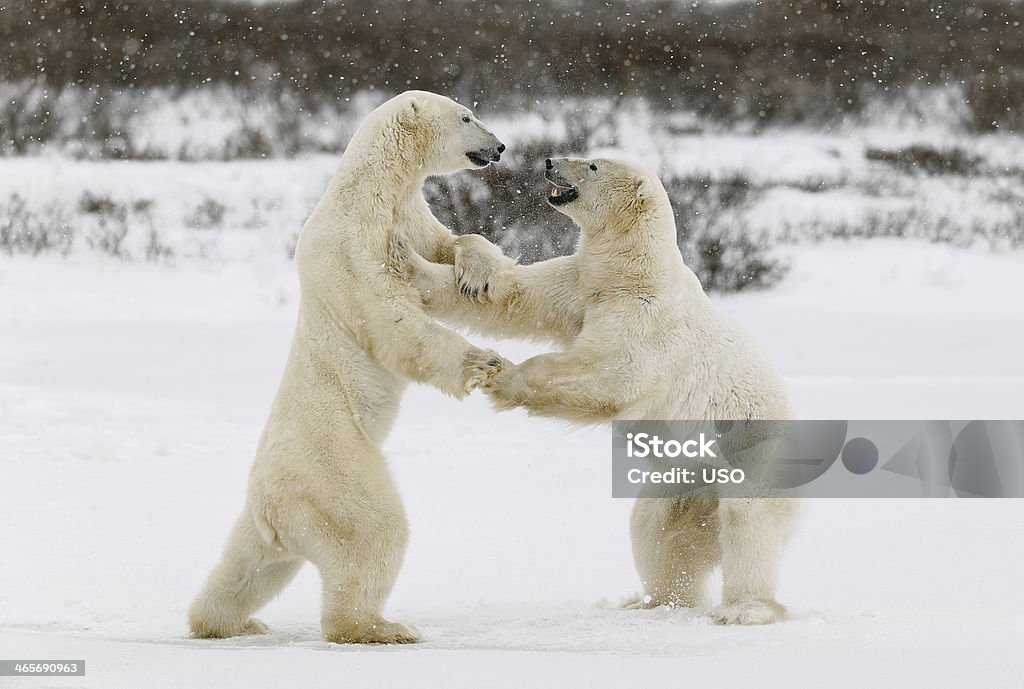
x: 132, y: 396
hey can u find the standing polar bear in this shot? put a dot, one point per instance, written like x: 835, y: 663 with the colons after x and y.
x: 642, y: 342
x: 319, y: 489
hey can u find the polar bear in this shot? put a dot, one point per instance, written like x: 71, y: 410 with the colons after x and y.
x: 319, y: 489
x: 642, y: 341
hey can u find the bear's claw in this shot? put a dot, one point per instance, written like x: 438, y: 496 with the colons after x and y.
x: 478, y: 366
x: 482, y: 271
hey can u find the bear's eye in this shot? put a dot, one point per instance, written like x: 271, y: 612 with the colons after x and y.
x: 465, y: 118
x: 593, y: 167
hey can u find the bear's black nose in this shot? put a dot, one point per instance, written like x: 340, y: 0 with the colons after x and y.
x: 501, y: 148
x: 547, y: 163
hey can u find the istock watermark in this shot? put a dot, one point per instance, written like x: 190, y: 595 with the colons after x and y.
x: 847, y: 459
x: 646, y: 445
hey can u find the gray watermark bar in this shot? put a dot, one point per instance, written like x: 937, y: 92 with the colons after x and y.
x: 42, y: 668
x: 826, y: 459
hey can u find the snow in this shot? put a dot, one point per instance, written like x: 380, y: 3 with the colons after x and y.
x: 265, y: 203
x: 801, y: 186
x: 132, y: 397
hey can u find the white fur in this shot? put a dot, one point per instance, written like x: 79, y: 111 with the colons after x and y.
x: 642, y: 342
x: 320, y: 489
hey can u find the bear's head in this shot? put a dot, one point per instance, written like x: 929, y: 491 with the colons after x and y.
x: 441, y: 136
x: 603, y: 194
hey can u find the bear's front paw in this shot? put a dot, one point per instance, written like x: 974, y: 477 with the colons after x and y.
x: 481, y: 270
x: 479, y: 366
x: 403, y: 262
x: 748, y: 613
x: 504, y: 388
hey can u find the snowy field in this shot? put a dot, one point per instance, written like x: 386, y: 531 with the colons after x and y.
x: 778, y: 186
x: 132, y: 397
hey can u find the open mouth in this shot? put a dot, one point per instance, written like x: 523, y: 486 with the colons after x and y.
x: 483, y: 158
x: 562, y: 191
x: 559, y: 196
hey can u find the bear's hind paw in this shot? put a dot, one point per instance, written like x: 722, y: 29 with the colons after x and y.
x: 376, y: 632
x: 253, y: 627
x: 639, y: 602
x: 748, y: 613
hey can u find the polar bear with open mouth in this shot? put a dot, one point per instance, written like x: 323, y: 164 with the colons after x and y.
x: 642, y: 341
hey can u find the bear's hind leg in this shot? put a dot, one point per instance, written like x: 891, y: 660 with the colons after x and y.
x: 752, y: 533
x: 358, y: 574
x: 675, y: 548
x: 249, y: 574
x: 358, y: 545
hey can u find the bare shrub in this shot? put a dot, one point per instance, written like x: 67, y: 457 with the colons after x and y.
x: 13, y: 221
x: 26, y: 116
x: 111, y: 223
x: 208, y: 215
x: 996, y: 95
x: 156, y: 249
x: 27, y: 231
x: 248, y: 142
x: 792, y: 61
x: 712, y: 234
x: 929, y: 160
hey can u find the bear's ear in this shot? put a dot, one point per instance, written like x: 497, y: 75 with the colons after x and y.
x: 410, y: 110
x: 643, y: 188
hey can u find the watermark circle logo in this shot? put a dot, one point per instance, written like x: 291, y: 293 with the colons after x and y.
x: 860, y: 456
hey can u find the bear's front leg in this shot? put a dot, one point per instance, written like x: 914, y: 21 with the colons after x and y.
x: 564, y: 385
x: 482, y: 271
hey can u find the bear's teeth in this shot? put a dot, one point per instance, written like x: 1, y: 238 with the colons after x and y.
x: 556, y: 192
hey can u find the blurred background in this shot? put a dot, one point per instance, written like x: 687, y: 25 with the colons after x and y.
x: 772, y: 123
